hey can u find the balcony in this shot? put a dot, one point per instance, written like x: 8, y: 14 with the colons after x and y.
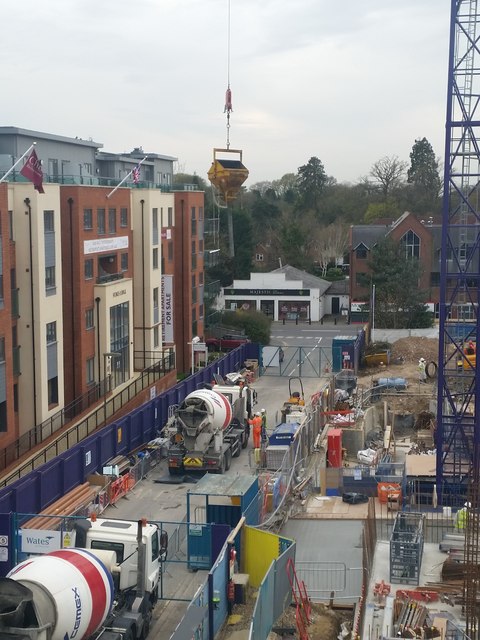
x: 16, y: 361
x: 109, y: 277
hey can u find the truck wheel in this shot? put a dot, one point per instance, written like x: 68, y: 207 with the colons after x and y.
x: 237, y: 447
x: 228, y: 459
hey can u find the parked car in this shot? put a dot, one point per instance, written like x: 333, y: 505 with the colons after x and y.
x: 225, y: 343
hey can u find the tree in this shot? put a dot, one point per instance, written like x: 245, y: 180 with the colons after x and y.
x: 377, y: 210
x: 329, y: 244
x: 311, y: 183
x: 388, y: 173
x: 423, y: 175
x: 399, y: 303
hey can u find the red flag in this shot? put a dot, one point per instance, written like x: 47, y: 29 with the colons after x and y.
x: 32, y: 170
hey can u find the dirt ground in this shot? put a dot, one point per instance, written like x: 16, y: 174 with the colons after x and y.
x: 405, y: 354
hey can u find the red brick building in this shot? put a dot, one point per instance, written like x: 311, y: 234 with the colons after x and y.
x: 9, y: 348
x: 189, y: 273
x: 421, y: 240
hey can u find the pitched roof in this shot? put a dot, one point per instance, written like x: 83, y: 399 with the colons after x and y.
x: 308, y: 281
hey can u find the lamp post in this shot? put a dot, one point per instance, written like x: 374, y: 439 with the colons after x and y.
x: 194, y: 341
x: 107, y: 369
x: 373, y: 313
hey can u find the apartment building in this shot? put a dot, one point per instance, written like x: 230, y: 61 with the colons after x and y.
x: 9, y: 351
x: 97, y: 283
x: 188, y: 243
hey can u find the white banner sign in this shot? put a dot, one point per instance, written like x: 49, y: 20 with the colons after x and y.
x: 40, y: 541
x: 105, y: 244
x: 167, y: 308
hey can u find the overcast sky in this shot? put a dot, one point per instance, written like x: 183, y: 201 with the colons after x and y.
x: 348, y: 81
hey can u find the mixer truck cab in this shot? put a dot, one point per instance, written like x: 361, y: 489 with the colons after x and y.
x: 120, y: 536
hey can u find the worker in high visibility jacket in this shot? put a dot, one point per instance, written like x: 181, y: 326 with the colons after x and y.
x: 461, y: 518
x: 256, y: 423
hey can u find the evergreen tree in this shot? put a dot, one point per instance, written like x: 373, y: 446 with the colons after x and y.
x: 311, y: 183
x: 424, y: 177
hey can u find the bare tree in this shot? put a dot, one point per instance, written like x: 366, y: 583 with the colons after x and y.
x: 329, y: 244
x: 388, y: 172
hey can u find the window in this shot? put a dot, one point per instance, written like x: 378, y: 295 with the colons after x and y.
x: 101, y: 221
x: 124, y: 217
x: 2, y: 349
x: 155, y: 298
x: 259, y: 257
x: 112, y: 221
x: 51, y: 332
x: 411, y: 243
x: 124, y: 261
x: 90, y: 370
x: 89, y: 323
x: 434, y: 279
x: 170, y: 251
x: 194, y: 227
x: 200, y: 213
x: 1, y: 287
x: 88, y: 268
x: 361, y: 252
x: 170, y: 217
x: 200, y: 246
x: 48, y: 222
x: 200, y: 277
x: 53, y: 391
x: 104, y: 545
x: 194, y: 213
x: 359, y: 278
x: 87, y: 219
x: 50, y: 278
x: 200, y: 311
x: 194, y: 281
x: 156, y: 334
x: 155, y: 259
x: 194, y: 247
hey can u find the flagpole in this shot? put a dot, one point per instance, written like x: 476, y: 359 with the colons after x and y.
x: 17, y: 162
x: 125, y: 178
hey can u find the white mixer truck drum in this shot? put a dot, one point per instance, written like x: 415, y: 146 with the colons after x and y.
x: 210, y: 403
x: 72, y: 590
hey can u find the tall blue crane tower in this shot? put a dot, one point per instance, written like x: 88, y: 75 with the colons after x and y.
x: 458, y: 402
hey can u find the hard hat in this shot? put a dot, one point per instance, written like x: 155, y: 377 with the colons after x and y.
x: 263, y: 411
x: 468, y: 505
x: 422, y: 360
x: 258, y: 413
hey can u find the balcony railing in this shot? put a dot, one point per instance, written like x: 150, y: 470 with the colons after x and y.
x: 96, y: 181
x: 109, y: 277
x: 15, y: 304
x: 16, y: 361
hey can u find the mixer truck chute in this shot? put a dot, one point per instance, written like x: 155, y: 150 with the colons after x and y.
x: 210, y: 427
x: 86, y: 593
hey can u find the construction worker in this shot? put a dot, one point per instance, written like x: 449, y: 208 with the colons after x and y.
x: 422, y: 373
x: 461, y: 517
x: 256, y: 424
x: 263, y: 415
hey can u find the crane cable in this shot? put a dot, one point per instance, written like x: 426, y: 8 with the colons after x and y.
x: 228, y: 95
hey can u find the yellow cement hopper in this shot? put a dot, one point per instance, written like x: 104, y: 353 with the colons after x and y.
x: 227, y: 174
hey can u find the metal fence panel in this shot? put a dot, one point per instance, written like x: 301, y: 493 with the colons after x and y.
x: 283, y: 591
x: 262, y: 619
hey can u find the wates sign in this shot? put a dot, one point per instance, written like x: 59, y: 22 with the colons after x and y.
x: 167, y: 308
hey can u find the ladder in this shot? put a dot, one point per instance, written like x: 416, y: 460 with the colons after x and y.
x: 303, y: 608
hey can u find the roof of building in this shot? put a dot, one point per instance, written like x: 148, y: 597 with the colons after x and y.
x: 308, y: 281
x: 30, y: 133
x: 368, y: 234
x: 339, y: 288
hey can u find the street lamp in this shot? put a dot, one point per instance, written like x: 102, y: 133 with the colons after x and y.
x: 194, y: 341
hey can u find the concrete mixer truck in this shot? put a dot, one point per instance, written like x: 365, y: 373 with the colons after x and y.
x: 105, y: 587
x: 210, y: 427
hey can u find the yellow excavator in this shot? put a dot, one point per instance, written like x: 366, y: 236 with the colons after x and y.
x: 468, y: 361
